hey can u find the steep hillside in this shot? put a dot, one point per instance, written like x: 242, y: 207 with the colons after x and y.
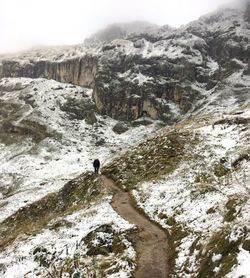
x: 162, y: 72
x: 167, y: 113
x: 71, y: 232
x: 49, y: 134
x: 193, y: 179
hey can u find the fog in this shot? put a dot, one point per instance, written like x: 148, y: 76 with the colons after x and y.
x: 27, y: 23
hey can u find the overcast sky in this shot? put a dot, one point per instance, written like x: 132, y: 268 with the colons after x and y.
x: 25, y: 23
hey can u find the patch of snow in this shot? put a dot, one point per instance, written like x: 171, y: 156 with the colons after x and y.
x: 222, y: 139
x: 175, y: 49
x: 242, y: 269
x: 174, y: 108
x: 30, y: 170
x: 179, y: 196
x: 141, y: 79
x: 216, y: 257
x: 238, y: 79
x: 63, y: 242
x: 213, y: 66
x: 125, y: 74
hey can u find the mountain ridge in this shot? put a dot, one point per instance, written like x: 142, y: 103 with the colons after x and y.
x: 168, y: 116
x: 151, y: 73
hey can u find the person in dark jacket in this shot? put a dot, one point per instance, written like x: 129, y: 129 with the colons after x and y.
x: 96, y: 165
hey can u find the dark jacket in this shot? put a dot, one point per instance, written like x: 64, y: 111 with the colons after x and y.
x: 96, y: 163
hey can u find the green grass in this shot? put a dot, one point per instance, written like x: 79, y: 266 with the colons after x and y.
x: 219, y: 243
x: 151, y: 159
x: 176, y: 233
x: 231, y: 205
x: 75, y: 195
x: 220, y: 170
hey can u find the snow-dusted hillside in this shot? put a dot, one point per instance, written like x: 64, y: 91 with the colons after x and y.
x: 194, y: 180
x: 139, y: 68
x: 66, y: 243
x: 191, y: 177
x: 207, y: 197
x: 66, y: 146
x: 46, y: 140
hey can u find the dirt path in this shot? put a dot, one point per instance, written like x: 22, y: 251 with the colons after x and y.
x: 151, y: 245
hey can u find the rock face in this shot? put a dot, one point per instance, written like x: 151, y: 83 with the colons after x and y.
x: 80, y: 71
x: 160, y: 72
x: 247, y: 13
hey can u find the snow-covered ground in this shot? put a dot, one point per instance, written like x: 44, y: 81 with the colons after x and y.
x: 39, y: 255
x: 243, y: 267
x: 199, y: 194
x: 30, y: 170
x: 205, y: 196
x: 53, y: 53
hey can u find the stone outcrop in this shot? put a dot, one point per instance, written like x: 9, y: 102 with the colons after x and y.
x: 80, y: 71
x: 247, y: 13
x: 120, y: 128
x: 161, y: 73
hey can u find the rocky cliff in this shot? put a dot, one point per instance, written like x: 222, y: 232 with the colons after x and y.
x: 79, y: 70
x: 163, y: 72
x: 192, y: 178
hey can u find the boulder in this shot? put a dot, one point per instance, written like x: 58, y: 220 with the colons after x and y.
x: 120, y: 127
x: 90, y: 117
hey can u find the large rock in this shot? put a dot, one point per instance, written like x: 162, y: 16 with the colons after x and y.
x: 142, y: 68
x: 247, y: 13
x: 80, y: 71
x: 120, y: 128
x: 90, y: 117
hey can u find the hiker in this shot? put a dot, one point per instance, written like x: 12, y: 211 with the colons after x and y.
x: 96, y: 165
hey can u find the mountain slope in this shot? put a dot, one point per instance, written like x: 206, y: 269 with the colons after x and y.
x: 162, y: 73
x: 199, y: 196
x: 190, y: 177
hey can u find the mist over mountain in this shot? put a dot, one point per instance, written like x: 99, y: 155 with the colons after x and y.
x: 166, y: 110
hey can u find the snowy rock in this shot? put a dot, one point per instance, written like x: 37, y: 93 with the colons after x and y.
x: 120, y: 128
x: 131, y: 66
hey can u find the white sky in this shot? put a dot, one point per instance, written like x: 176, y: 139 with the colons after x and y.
x: 25, y: 23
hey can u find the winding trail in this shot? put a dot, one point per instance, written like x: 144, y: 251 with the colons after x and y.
x: 151, y: 245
